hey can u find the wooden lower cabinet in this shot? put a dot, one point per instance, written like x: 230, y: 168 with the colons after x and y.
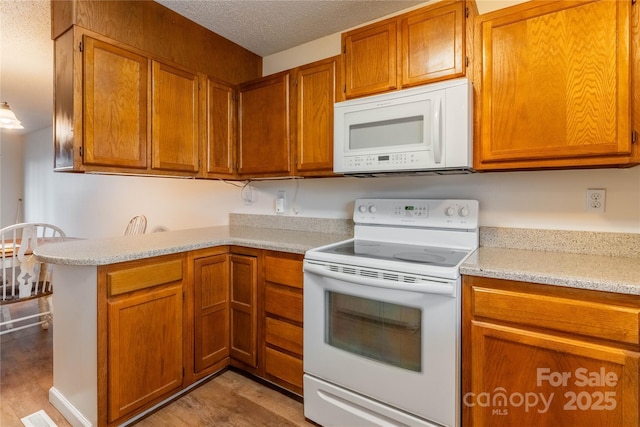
x: 243, y: 306
x: 140, y: 349
x: 210, y: 310
x: 282, y: 320
x: 549, y: 356
x: 167, y: 322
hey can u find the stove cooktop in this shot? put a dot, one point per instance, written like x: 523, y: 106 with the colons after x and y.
x: 417, y: 254
x: 426, y: 237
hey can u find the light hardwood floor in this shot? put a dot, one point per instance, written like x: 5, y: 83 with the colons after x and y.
x: 230, y: 399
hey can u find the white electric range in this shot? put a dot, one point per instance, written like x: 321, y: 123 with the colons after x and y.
x: 382, y: 315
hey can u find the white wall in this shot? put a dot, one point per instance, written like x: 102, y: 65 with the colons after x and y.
x: 532, y: 199
x: 11, y: 177
x: 89, y: 205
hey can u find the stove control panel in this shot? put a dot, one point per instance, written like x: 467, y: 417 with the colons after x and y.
x: 430, y: 213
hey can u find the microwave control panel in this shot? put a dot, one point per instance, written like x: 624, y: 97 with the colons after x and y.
x: 428, y: 213
x: 411, y: 160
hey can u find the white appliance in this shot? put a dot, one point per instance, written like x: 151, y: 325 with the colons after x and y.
x: 422, y: 129
x: 382, y: 316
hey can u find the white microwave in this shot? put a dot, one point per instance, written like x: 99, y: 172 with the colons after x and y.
x: 422, y: 129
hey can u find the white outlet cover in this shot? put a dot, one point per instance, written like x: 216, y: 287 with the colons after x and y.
x: 596, y: 200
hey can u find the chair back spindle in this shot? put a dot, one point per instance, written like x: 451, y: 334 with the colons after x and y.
x: 137, y: 225
x: 22, y: 276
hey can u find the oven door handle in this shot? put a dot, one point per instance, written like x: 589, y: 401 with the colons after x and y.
x: 432, y: 287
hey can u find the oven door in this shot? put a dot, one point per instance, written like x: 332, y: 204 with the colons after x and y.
x: 381, y: 341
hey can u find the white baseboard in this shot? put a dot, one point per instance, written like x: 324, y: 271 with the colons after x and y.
x: 75, y: 417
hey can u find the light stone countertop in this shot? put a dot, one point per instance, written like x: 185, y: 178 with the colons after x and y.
x: 126, y: 248
x: 607, y: 262
x: 576, y: 270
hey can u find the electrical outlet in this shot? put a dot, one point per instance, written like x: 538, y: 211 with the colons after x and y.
x: 281, y: 202
x: 596, y: 198
x: 247, y: 195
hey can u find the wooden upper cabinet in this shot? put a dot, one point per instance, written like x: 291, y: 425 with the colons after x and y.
x: 115, y: 100
x: 119, y: 110
x: 315, y: 94
x: 554, y: 86
x: 370, y: 59
x: 635, y: 72
x: 126, y: 94
x: 174, y: 118
x: 263, y: 124
x: 219, y: 115
x: 433, y: 44
x: 415, y: 48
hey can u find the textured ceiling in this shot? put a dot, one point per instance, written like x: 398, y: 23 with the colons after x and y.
x: 26, y: 62
x: 266, y: 27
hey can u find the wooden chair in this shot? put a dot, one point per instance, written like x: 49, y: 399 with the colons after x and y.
x: 137, y: 225
x: 22, y: 276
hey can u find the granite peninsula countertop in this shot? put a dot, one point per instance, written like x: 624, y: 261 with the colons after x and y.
x: 607, y: 262
x: 127, y: 248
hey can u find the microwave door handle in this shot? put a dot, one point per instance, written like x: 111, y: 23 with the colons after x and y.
x: 437, y: 131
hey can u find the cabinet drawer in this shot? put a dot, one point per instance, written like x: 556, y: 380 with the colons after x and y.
x: 143, y: 276
x: 587, y: 317
x: 283, y: 302
x: 284, y: 335
x: 285, y: 367
x: 284, y: 271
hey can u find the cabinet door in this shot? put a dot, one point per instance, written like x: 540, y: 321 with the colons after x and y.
x: 433, y: 44
x: 174, y: 119
x: 67, y: 143
x: 220, y: 116
x: 283, y: 346
x: 370, y: 55
x: 244, y: 317
x: 211, y: 310
x: 555, y: 85
x: 263, y: 142
x: 144, y: 348
x: 115, y: 106
x: 315, y: 96
x: 527, y: 378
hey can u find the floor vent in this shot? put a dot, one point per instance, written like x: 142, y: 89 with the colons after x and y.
x: 38, y: 419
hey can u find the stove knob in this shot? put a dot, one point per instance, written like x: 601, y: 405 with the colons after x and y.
x: 464, y: 211
x: 362, y: 208
x: 373, y: 209
x: 450, y: 211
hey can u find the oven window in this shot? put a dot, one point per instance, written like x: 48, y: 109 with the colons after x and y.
x: 386, y: 332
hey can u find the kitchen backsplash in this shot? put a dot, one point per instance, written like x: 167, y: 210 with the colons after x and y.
x: 283, y: 222
x: 584, y: 242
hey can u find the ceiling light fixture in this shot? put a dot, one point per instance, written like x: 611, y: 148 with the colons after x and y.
x: 8, y: 119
